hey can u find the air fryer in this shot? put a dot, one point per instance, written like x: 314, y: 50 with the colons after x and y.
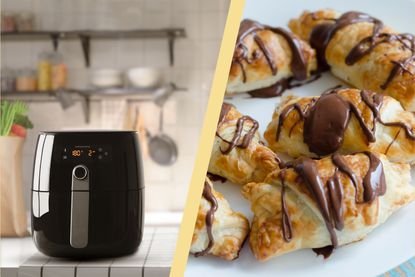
x: 87, y: 194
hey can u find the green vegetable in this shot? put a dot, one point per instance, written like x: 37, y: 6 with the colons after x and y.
x: 23, y: 120
x: 13, y: 112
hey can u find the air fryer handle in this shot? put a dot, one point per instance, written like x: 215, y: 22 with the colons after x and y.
x: 79, y: 207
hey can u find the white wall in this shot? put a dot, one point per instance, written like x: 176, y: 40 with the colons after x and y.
x: 195, y: 56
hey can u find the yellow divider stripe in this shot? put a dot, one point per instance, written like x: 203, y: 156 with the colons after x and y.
x: 206, y: 140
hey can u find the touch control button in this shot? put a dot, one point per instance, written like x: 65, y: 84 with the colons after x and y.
x: 80, y: 172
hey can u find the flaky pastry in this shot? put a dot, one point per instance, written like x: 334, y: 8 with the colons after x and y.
x: 361, y: 51
x: 268, y: 60
x: 219, y: 231
x: 322, y: 204
x: 344, y: 121
x: 238, y: 153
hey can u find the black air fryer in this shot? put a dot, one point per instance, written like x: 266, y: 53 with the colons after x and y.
x: 87, y: 194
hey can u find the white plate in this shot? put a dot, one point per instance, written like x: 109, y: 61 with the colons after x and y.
x: 389, y: 244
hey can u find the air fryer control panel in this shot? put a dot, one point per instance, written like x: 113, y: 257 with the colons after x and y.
x: 86, y: 153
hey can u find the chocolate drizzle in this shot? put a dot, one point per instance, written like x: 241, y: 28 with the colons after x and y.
x: 329, y: 196
x: 215, y: 177
x: 390, y: 144
x: 374, y: 183
x: 238, y: 140
x: 374, y: 102
x: 286, y: 223
x: 298, y: 62
x: 307, y: 169
x: 279, y: 87
x: 326, y: 120
x: 209, y: 218
x: 324, y: 251
x: 322, y: 34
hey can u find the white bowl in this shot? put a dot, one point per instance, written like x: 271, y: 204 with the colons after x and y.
x: 106, y: 78
x: 144, y: 77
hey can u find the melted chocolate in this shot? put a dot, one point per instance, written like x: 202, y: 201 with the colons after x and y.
x: 324, y: 251
x: 374, y: 182
x: 390, y: 144
x: 374, y: 102
x: 329, y: 197
x: 298, y: 62
x: 322, y: 34
x: 215, y: 177
x: 326, y: 120
x: 286, y: 222
x: 335, y: 193
x: 279, y: 87
x: 323, y: 132
x: 341, y: 164
x: 210, y: 217
x: 236, y: 140
x: 307, y: 169
x: 284, y: 114
x: 246, y: 139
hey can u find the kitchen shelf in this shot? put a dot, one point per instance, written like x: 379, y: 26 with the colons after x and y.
x: 86, y: 96
x: 85, y: 37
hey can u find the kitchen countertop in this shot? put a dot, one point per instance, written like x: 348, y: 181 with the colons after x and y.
x: 19, y: 256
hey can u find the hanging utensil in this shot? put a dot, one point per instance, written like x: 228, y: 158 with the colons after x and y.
x: 162, y: 148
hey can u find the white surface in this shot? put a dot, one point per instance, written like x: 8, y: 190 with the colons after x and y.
x: 15, y: 251
x: 390, y: 244
x: 153, y: 258
x: 163, y: 218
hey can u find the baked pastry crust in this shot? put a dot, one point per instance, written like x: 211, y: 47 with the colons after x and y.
x: 251, y: 69
x: 229, y: 228
x: 374, y: 68
x: 307, y: 223
x: 390, y: 140
x: 242, y: 164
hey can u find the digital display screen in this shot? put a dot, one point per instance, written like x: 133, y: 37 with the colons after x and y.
x: 86, y: 152
x: 81, y: 152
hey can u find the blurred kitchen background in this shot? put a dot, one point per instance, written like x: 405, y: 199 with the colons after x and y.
x: 97, y: 42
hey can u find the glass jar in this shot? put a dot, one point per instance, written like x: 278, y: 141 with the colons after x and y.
x: 59, y: 71
x: 25, y: 22
x: 26, y: 80
x: 8, y: 22
x: 8, y: 80
x: 44, y: 71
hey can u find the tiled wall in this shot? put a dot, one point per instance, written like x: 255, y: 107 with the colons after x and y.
x: 195, y: 56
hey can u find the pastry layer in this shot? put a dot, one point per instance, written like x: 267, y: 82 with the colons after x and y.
x: 329, y: 202
x: 344, y: 121
x: 361, y: 51
x: 238, y: 153
x: 265, y: 56
x: 219, y: 231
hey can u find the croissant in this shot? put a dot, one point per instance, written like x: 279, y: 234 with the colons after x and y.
x: 268, y: 60
x: 238, y: 154
x: 322, y: 204
x: 344, y: 121
x: 361, y: 51
x: 219, y: 231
